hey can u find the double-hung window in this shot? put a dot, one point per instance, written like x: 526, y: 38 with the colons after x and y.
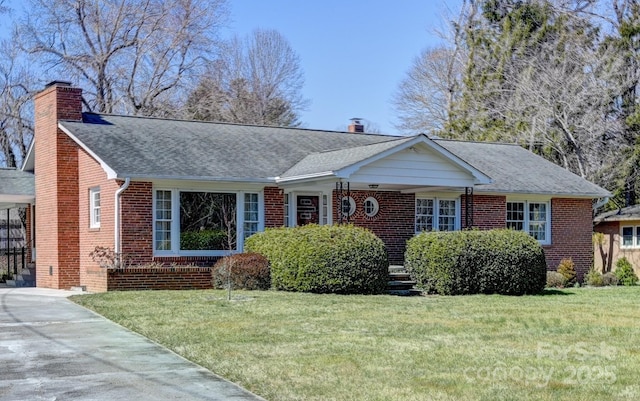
x: 434, y: 214
x: 630, y: 237
x: 94, y: 207
x: 532, y: 217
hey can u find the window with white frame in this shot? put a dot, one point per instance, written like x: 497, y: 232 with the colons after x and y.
x: 433, y: 214
x: 163, y: 219
x: 202, y: 222
x: 325, y: 209
x: 286, y: 210
x: 371, y: 206
x: 630, y: 237
x: 532, y: 217
x: 94, y: 207
x: 348, y: 206
x: 251, y: 219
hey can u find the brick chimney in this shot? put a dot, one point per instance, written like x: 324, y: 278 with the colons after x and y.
x: 56, y: 184
x: 356, y: 125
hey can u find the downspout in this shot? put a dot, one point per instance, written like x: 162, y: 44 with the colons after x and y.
x: 117, y: 223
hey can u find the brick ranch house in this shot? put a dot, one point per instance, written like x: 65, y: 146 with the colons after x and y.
x: 185, y: 192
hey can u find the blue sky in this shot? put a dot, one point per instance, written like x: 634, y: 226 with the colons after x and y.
x: 353, y: 52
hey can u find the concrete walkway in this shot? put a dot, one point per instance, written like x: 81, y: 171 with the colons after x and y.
x: 52, y: 349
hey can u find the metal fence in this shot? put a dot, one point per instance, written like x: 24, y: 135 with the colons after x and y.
x: 12, y: 261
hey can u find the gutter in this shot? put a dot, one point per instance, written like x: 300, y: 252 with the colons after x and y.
x: 600, y: 203
x: 117, y: 222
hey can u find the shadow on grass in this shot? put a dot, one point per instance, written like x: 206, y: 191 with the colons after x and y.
x: 553, y: 291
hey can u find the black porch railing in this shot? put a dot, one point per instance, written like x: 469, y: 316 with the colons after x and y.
x: 12, y: 261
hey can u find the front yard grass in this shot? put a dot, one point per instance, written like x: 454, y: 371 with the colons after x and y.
x: 577, y: 344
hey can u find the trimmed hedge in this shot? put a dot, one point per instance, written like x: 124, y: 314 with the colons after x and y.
x: 472, y: 262
x: 341, y: 259
x: 248, y: 271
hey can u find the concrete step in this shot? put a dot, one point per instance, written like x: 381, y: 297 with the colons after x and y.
x: 399, y: 276
x: 396, y: 269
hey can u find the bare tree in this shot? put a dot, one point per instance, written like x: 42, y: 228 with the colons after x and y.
x: 16, y: 110
x: 425, y: 97
x: 256, y: 80
x: 130, y: 56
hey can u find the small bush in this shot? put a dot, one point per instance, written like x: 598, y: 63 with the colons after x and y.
x: 594, y: 278
x: 609, y: 278
x: 624, y: 272
x: 555, y: 280
x: 470, y: 262
x: 247, y: 271
x: 568, y: 269
x: 341, y: 259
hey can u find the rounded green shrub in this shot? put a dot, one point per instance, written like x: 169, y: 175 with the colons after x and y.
x: 341, y: 259
x: 555, y: 280
x: 624, y: 272
x: 470, y: 262
x: 246, y: 271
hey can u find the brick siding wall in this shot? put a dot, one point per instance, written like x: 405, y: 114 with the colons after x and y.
x: 171, y: 278
x: 489, y: 211
x: 137, y: 222
x: 92, y: 175
x: 273, y: 207
x: 571, y: 234
x: 394, y: 224
x: 56, y: 184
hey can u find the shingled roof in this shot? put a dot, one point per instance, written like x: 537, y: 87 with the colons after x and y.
x: 140, y: 148
x: 16, y: 187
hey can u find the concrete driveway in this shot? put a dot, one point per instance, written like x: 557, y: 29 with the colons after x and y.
x: 52, y: 349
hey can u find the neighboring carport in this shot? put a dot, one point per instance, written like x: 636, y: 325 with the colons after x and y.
x: 17, y: 191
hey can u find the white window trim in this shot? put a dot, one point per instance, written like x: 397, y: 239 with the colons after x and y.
x: 93, y: 221
x: 525, y: 227
x: 293, y: 207
x: 376, y: 206
x: 635, y: 238
x: 436, y: 212
x: 175, y: 222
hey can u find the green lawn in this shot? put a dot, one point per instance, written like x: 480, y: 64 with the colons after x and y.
x: 578, y: 344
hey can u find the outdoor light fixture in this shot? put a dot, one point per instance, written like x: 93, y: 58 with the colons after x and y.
x: 373, y: 186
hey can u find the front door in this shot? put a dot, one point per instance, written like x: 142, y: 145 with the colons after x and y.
x: 307, y: 210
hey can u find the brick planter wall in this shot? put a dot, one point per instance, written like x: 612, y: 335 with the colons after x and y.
x: 169, y: 278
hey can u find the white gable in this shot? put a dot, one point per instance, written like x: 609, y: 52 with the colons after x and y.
x: 418, y: 165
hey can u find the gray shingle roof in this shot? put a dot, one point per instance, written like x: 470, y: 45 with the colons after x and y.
x: 16, y: 182
x: 516, y: 170
x: 624, y: 214
x: 149, y: 147
x: 140, y: 147
x: 337, y: 159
